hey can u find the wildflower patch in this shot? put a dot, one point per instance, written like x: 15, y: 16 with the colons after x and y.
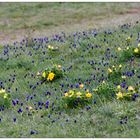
x: 77, y: 98
x: 5, y: 99
x: 52, y: 73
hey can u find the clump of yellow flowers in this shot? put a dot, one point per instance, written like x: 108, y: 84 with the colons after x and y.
x: 5, y: 98
x: 114, y: 73
x: 129, y: 93
x: 51, y: 73
x: 114, y: 69
x: 52, y: 48
x: 51, y: 76
x: 77, y: 98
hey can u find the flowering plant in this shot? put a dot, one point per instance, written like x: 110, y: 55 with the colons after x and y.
x: 114, y: 73
x: 77, y: 98
x: 52, y: 48
x: 114, y: 69
x: 125, y: 54
x: 51, y: 73
x: 137, y: 50
x: 129, y: 93
x: 128, y: 39
x: 105, y: 89
x: 5, y: 98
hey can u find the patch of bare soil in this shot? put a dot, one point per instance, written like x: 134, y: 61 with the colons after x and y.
x: 133, y: 11
x: 131, y: 16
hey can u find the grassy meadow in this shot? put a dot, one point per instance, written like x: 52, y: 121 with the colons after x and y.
x: 38, y: 16
x: 99, y: 73
x: 19, y: 20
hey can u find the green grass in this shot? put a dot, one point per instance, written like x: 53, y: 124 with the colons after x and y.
x: 45, y: 15
x: 87, y: 62
x: 101, y: 120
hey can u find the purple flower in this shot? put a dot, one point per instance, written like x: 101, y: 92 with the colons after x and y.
x: 77, y: 85
x: 62, y: 85
x: 49, y: 116
x: 20, y: 110
x: 129, y: 73
x: 32, y: 132
x: 17, y: 101
x: 13, y: 102
x: 123, y: 84
x: 40, y: 107
x: 88, y: 107
x: 14, y: 119
x: 94, y: 101
x: 47, y: 104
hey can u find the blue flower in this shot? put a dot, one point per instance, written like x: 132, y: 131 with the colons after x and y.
x: 47, y: 104
x: 13, y: 102
x: 20, y: 110
x: 123, y: 84
x: 77, y: 85
x: 32, y: 132
x: 14, y: 119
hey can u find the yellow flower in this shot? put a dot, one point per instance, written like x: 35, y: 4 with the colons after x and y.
x: 5, y: 96
x: 38, y: 74
x: 44, y: 74
x: 50, y: 76
x: 119, y: 49
x: 81, y: 85
x: 127, y: 94
x: 109, y: 70
x: 139, y: 45
x: 87, y: 90
x: 134, y: 91
x: 136, y: 50
x: 95, y: 90
x: 128, y: 39
x: 50, y: 47
x: 120, y: 66
x: 127, y: 48
x: 71, y: 92
x: 103, y: 82
x: 130, y: 88
x: 119, y: 87
x: 66, y: 94
x: 123, y: 77
x: 113, y: 66
x: 78, y: 94
x: 2, y: 91
x: 88, y: 95
x: 59, y: 66
x: 30, y: 108
x: 119, y: 95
